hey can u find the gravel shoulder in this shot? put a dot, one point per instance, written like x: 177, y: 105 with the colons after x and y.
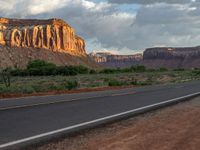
x: 173, y: 128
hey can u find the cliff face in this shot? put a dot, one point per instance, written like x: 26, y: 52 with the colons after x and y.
x: 51, y: 40
x: 112, y: 60
x: 52, y: 34
x: 185, y: 57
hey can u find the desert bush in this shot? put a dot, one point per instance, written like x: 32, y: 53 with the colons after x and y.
x: 114, y: 82
x: 151, y: 70
x: 109, y: 71
x: 179, y: 69
x: 42, y: 68
x: 134, y: 82
x: 149, y: 81
x: 56, y: 87
x: 39, y: 64
x: 162, y: 69
x: 6, y: 77
x: 19, y: 72
x: 81, y: 69
x: 27, y: 89
x: 92, y: 71
x: 4, y: 89
x: 196, y: 72
x: 71, y: 85
x: 66, y: 70
x: 138, y: 68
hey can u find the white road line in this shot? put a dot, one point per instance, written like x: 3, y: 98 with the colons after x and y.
x: 93, y: 121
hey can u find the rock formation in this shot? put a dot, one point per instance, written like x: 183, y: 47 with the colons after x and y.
x: 53, y: 34
x: 185, y: 57
x: 53, y: 40
x: 112, y: 60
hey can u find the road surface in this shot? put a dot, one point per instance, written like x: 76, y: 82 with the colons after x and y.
x: 32, y: 119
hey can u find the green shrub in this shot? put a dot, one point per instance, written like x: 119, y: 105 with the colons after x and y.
x: 4, y: 89
x: 39, y: 64
x: 179, y: 69
x: 6, y: 77
x: 66, y: 70
x: 92, y: 71
x: 114, y: 82
x: 56, y: 87
x: 39, y: 88
x: 42, y: 68
x: 71, y: 85
x: 127, y: 70
x: 147, y: 82
x: 19, y: 72
x: 162, y: 69
x: 27, y: 89
x: 134, y: 82
x: 109, y: 71
x: 82, y: 70
x: 196, y: 72
x: 151, y: 70
x: 139, y: 68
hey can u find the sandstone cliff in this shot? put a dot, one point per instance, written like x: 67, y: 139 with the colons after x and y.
x: 113, y: 61
x: 185, y: 57
x: 35, y: 38
x: 53, y: 34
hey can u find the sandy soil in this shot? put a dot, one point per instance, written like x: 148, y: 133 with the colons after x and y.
x: 173, y: 128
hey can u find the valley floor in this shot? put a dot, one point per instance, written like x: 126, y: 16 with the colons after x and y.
x: 172, y: 128
x: 50, y: 85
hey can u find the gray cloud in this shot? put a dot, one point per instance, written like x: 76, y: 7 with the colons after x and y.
x: 149, y: 1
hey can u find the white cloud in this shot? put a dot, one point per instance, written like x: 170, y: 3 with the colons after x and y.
x: 38, y: 6
x: 88, y: 4
x: 150, y: 1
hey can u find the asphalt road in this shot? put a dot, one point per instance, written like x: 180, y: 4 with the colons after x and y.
x: 25, y: 120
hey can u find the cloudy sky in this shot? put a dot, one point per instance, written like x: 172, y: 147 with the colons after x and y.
x: 121, y: 26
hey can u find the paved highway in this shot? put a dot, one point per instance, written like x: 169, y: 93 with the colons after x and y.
x: 32, y: 119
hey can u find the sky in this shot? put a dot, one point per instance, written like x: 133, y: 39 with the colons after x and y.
x: 119, y: 26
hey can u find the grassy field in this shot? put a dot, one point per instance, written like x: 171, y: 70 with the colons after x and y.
x: 37, y: 84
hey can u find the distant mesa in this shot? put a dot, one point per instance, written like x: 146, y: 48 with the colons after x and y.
x: 22, y: 40
x: 172, y: 57
x: 108, y: 59
x: 169, y: 57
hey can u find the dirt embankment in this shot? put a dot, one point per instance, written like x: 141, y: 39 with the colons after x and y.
x: 172, y: 128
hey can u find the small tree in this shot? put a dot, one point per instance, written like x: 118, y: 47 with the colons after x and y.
x: 5, y: 75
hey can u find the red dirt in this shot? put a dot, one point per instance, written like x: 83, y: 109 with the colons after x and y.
x: 55, y: 92
x: 172, y: 128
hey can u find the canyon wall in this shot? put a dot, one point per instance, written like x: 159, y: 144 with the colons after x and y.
x: 116, y: 61
x: 52, y: 34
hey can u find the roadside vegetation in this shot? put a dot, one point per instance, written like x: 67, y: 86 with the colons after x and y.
x: 40, y: 76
